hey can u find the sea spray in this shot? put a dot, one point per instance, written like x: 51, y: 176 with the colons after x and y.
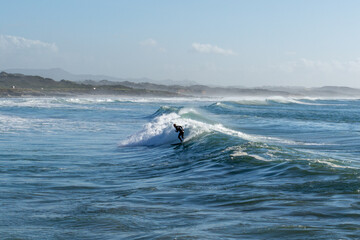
x: 160, y: 131
x: 156, y: 132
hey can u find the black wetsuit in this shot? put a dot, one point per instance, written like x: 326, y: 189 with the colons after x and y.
x: 181, y: 132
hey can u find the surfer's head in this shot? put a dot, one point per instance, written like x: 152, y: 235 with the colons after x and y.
x: 174, y: 125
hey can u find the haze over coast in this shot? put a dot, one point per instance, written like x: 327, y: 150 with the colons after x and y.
x: 57, y: 82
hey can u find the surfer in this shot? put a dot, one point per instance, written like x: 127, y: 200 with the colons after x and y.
x: 180, y: 130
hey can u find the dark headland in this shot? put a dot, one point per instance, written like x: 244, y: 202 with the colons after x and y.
x: 20, y: 85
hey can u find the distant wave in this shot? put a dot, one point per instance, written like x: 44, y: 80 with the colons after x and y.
x: 51, y: 102
x: 274, y: 100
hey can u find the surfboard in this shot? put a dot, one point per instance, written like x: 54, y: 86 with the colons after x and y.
x: 176, y: 144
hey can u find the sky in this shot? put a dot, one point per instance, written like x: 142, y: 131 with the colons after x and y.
x: 248, y: 43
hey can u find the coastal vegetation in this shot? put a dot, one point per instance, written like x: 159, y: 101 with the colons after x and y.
x: 21, y: 85
x: 17, y: 85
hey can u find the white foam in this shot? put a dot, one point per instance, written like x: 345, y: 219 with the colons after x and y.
x: 155, y: 133
x: 249, y: 100
x: 161, y: 131
x: 91, y: 100
x: 251, y: 137
x: 237, y: 151
x: 332, y: 164
x: 10, y: 124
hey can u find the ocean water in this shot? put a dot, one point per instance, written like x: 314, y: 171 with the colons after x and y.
x: 250, y: 168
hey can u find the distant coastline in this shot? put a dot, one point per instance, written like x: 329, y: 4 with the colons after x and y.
x: 21, y: 85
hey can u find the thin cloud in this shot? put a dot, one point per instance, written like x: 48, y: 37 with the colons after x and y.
x: 208, y: 48
x: 334, y: 65
x: 290, y: 53
x: 8, y: 42
x: 330, y: 66
x: 149, y: 42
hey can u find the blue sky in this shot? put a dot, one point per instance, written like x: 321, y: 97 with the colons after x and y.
x: 223, y: 42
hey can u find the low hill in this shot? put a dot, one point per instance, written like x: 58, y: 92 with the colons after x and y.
x: 25, y: 85
x: 58, y: 74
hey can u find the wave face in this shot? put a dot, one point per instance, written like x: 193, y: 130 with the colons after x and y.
x: 251, y: 168
x: 160, y: 130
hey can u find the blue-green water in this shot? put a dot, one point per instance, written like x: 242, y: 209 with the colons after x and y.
x: 104, y: 168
